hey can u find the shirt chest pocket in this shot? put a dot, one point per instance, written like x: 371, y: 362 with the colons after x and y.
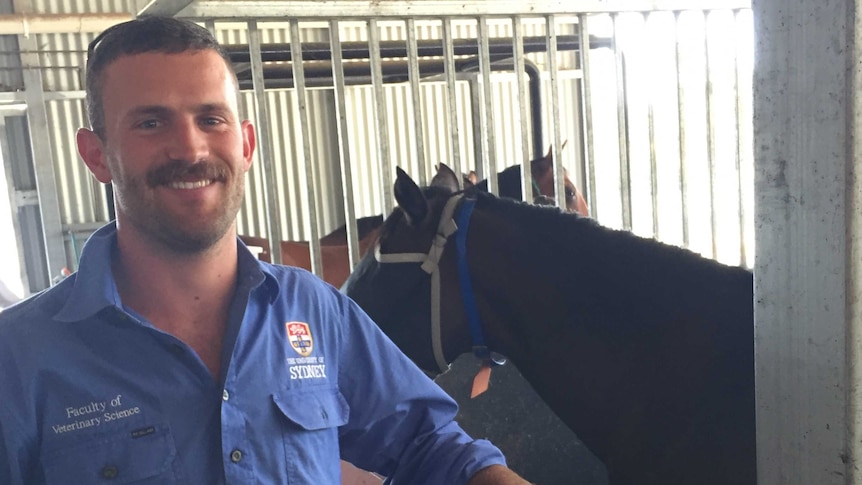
x: 143, y: 456
x: 310, y: 433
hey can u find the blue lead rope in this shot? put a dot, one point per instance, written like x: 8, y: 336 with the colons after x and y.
x: 462, y: 220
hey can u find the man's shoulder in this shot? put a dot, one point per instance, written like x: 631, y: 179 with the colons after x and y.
x: 296, y: 277
x: 34, y: 310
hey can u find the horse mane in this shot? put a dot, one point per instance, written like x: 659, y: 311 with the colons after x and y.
x: 580, y: 256
x: 650, y: 277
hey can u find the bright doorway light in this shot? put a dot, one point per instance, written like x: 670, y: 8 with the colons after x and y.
x: 11, y: 285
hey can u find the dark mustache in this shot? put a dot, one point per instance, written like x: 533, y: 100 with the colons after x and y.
x: 179, y: 170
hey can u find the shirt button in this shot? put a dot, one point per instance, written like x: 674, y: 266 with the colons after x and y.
x: 110, y: 472
x: 235, y: 456
x: 224, y: 395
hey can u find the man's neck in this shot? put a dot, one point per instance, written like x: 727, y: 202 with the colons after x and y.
x: 188, y: 296
x: 174, y: 278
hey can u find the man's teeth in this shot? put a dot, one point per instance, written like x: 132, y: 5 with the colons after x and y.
x: 190, y: 185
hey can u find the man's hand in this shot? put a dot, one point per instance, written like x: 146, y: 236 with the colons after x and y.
x: 497, y: 475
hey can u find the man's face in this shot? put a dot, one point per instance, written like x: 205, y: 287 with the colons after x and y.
x: 174, y: 147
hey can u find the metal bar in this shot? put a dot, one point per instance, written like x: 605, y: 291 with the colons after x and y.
x: 265, y: 145
x: 489, y: 160
x: 559, y: 174
x: 622, y: 129
x: 32, y: 253
x: 380, y: 116
x: 519, y: 68
x: 416, y: 98
x: 54, y: 249
x: 710, y: 138
x: 17, y: 109
x: 305, y: 147
x: 319, y: 74
x: 344, y: 144
x: 683, y: 139
x: 167, y: 8
x: 342, y: 9
x: 536, y: 110
x: 588, y: 164
x: 479, y: 140
x: 452, y: 96
x: 397, y: 49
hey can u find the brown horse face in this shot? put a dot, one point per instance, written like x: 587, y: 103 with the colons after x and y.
x: 543, y: 174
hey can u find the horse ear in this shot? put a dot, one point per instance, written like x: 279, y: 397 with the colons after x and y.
x: 445, y: 178
x: 540, y: 166
x: 410, y: 198
x: 470, y: 179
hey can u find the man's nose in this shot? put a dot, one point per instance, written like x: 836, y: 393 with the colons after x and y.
x: 187, y: 142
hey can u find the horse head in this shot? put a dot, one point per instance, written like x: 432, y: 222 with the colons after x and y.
x: 405, y: 266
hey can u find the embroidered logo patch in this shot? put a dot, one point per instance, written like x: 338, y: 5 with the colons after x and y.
x: 299, y: 337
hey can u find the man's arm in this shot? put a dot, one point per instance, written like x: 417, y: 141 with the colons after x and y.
x: 497, y: 475
x: 401, y: 423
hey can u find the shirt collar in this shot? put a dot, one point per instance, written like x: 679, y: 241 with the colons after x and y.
x: 94, y: 287
x: 254, y: 273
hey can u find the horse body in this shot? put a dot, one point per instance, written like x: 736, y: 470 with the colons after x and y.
x: 644, y: 350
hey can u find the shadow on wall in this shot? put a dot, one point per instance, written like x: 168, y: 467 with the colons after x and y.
x: 537, y: 445
x: 510, y: 414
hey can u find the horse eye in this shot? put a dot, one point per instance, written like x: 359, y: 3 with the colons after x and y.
x: 570, y: 193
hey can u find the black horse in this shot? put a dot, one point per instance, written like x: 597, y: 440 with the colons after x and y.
x: 645, y: 350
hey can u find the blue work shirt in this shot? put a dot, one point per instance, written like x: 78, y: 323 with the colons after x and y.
x: 91, y: 392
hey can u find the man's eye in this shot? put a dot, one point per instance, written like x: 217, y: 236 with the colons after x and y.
x: 211, y: 121
x: 148, y: 124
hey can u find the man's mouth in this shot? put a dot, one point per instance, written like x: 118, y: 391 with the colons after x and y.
x: 178, y: 184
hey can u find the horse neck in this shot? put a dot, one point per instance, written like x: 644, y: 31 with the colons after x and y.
x: 593, y: 307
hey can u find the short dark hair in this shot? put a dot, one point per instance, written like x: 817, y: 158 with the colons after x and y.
x: 166, y: 35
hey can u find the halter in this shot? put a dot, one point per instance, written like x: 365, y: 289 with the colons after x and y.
x: 430, y: 264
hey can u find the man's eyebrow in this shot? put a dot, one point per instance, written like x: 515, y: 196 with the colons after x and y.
x: 164, y: 111
x: 149, y: 110
x: 212, y: 108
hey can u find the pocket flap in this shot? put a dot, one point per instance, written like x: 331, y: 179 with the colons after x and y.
x: 116, y: 458
x: 311, y: 410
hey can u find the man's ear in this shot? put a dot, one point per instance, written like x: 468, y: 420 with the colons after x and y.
x: 91, y: 151
x: 249, y: 142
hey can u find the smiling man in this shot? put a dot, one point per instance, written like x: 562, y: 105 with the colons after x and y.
x: 173, y: 355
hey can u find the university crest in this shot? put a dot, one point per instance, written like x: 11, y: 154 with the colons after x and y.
x: 299, y: 336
